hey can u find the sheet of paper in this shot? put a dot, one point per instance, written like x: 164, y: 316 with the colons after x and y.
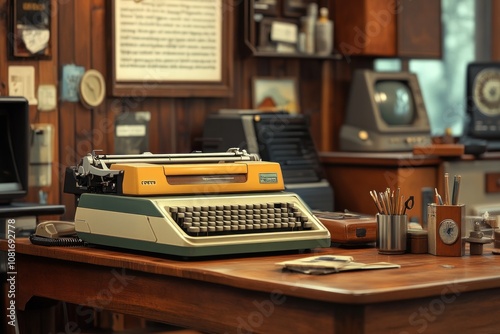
x: 328, y: 264
x: 175, y: 40
x: 22, y: 82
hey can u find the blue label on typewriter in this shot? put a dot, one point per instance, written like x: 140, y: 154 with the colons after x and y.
x: 268, y: 178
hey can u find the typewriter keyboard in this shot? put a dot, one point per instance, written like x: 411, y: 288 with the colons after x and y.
x: 239, y: 218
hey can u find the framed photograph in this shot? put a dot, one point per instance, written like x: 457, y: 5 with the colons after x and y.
x: 30, y: 29
x: 266, y: 7
x: 276, y: 94
x: 296, y: 8
x: 132, y: 132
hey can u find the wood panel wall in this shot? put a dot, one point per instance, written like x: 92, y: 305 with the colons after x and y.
x: 176, y: 123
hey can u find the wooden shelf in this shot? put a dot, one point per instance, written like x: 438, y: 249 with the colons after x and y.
x: 251, y: 38
x: 268, y: 54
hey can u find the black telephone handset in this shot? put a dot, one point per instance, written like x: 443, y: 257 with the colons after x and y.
x: 56, y: 233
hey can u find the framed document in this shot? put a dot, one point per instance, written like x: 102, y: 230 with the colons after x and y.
x: 177, y: 48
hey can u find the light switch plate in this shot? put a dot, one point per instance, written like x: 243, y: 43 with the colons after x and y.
x: 47, y: 97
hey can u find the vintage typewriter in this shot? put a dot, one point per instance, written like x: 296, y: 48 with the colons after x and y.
x: 190, y: 205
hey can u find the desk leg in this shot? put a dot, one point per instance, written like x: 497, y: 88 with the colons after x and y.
x: 39, y: 319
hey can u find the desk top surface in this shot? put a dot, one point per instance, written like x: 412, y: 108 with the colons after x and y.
x: 420, y: 275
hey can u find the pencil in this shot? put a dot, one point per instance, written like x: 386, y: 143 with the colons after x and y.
x: 456, y: 189
x: 446, y: 189
x: 373, y: 194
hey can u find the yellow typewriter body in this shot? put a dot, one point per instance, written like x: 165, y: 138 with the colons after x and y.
x: 190, y: 205
x: 146, y: 179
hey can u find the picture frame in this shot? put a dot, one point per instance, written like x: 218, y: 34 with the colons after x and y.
x: 30, y: 30
x: 295, y: 8
x: 265, y: 41
x: 157, y: 68
x: 275, y: 94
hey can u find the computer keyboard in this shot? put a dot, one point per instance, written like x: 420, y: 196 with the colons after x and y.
x: 200, y: 225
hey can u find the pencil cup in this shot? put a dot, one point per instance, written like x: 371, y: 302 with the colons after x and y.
x: 391, y: 233
x: 446, y: 226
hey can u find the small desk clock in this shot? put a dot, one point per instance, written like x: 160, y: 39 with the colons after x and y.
x: 446, y: 229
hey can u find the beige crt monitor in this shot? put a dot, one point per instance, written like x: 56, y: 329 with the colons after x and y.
x: 385, y: 112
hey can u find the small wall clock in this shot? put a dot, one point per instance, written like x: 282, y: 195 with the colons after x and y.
x: 92, y: 89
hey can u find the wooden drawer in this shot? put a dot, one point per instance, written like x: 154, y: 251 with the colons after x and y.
x: 492, y: 184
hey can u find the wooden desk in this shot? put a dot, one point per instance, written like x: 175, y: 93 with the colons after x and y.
x: 239, y: 295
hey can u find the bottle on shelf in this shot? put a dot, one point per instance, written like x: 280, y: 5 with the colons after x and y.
x: 323, y: 33
x: 308, y: 25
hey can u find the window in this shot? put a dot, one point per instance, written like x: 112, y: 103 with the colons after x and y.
x: 443, y: 82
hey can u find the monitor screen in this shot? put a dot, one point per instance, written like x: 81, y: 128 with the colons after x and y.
x: 385, y: 112
x: 394, y: 100
x: 9, y: 176
x: 14, y: 156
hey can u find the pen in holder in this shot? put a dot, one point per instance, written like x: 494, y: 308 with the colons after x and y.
x: 392, y: 221
x: 391, y: 233
x: 446, y: 228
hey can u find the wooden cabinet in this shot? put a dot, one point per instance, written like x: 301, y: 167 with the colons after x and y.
x: 388, y: 28
x: 354, y: 175
x: 480, y: 182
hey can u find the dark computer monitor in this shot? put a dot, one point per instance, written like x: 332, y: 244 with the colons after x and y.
x: 14, y: 144
x: 483, y: 95
x: 385, y: 112
x: 482, y: 128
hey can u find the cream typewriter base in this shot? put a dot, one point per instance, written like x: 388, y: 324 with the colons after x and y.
x: 145, y: 224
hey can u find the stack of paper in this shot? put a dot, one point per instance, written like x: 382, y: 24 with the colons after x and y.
x: 327, y: 264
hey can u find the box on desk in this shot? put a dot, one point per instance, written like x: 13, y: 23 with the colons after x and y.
x: 349, y: 228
